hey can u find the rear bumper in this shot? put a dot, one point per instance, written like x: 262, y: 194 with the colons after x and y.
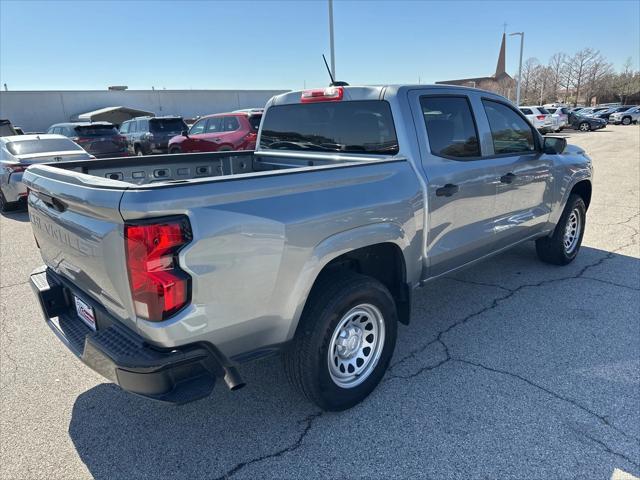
x: 176, y: 376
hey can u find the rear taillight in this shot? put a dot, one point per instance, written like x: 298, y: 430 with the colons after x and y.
x: 158, y: 286
x: 541, y: 117
x: 330, y: 94
x: 81, y: 140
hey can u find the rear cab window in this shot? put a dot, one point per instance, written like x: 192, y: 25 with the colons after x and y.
x: 166, y: 125
x: 43, y: 145
x: 363, y: 126
x: 95, y: 130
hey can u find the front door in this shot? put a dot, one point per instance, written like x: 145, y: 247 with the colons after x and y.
x: 524, y: 174
x: 461, y: 183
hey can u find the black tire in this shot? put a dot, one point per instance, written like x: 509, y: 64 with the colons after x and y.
x: 626, y: 121
x: 138, y: 150
x: 175, y: 150
x: 306, y: 360
x: 584, y: 127
x: 225, y: 148
x: 553, y: 249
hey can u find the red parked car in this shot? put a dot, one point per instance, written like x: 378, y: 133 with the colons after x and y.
x: 219, y: 133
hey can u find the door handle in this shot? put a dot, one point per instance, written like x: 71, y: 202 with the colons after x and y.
x: 448, y: 190
x: 508, y: 178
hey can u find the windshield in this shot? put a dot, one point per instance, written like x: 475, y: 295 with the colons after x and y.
x: 28, y: 147
x: 551, y: 110
x: 543, y: 110
x: 161, y: 125
x: 346, y: 127
x: 95, y: 130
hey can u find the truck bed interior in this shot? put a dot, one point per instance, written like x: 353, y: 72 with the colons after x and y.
x: 180, y: 167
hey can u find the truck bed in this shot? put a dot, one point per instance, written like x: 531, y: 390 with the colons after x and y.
x: 181, y: 167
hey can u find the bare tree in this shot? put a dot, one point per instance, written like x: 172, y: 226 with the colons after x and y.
x: 556, y: 70
x: 597, y: 77
x: 626, y: 83
x: 580, y: 65
x: 529, y: 79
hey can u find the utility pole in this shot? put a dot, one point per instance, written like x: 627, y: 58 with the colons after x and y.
x: 331, y: 46
x: 520, y: 67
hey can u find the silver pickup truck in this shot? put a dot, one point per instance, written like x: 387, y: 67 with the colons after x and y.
x: 164, y: 273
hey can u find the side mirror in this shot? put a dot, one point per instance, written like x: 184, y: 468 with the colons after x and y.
x: 185, y: 133
x: 554, y: 145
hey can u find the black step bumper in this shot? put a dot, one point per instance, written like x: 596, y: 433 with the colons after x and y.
x: 177, y: 376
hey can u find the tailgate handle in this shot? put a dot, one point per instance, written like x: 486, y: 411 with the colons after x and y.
x: 51, y: 202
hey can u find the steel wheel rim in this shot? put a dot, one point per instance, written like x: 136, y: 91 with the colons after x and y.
x: 356, y: 346
x: 572, y: 231
x: 626, y: 121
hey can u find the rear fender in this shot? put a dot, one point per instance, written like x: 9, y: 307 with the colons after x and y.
x: 339, y: 244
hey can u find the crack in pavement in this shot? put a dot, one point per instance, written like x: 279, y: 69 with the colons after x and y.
x: 308, y: 421
x: 14, y: 284
x: 604, y: 446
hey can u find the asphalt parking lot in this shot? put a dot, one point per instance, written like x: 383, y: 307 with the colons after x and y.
x: 511, y: 369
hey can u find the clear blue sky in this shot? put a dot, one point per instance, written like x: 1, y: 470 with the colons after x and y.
x: 277, y: 44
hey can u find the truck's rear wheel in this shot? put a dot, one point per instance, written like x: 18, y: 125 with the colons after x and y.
x: 563, y: 246
x: 344, y: 342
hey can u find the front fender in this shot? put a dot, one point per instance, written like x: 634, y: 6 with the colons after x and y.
x: 344, y: 242
x: 568, y: 177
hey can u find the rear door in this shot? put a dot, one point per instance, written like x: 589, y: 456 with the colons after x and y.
x: 460, y: 187
x: 524, y: 175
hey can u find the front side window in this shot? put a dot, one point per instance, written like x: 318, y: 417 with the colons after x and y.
x: 364, y: 126
x: 133, y: 127
x: 509, y: 131
x: 166, y: 125
x: 125, y: 127
x: 198, y: 127
x: 214, y: 125
x: 450, y: 127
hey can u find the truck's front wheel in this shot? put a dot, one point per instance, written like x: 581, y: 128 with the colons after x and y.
x: 344, y: 342
x: 563, y: 246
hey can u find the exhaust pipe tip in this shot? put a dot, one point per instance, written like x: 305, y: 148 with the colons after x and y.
x: 233, y: 379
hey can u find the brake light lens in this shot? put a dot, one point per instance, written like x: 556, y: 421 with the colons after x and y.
x: 329, y: 94
x: 541, y: 117
x: 158, y: 285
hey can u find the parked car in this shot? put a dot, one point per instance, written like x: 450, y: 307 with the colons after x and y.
x: 181, y: 269
x: 632, y: 115
x: 219, y: 133
x: 605, y: 114
x: 561, y: 114
x: 18, y: 152
x: 541, y: 118
x: 149, y: 135
x: 100, y: 139
x: 585, y: 123
x: 593, y: 110
x: 6, y: 128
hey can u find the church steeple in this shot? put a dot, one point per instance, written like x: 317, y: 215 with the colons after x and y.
x: 501, y: 67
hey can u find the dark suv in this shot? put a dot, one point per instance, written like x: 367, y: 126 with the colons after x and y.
x: 148, y: 135
x: 100, y: 139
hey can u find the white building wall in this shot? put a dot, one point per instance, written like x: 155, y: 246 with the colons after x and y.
x: 35, y: 111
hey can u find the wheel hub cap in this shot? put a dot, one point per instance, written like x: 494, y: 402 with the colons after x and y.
x: 356, y: 346
x: 572, y: 232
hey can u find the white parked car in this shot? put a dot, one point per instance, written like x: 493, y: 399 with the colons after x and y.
x: 625, y: 118
x: 561, y: 114
x: 540, y: 118
x: 17, y: 152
